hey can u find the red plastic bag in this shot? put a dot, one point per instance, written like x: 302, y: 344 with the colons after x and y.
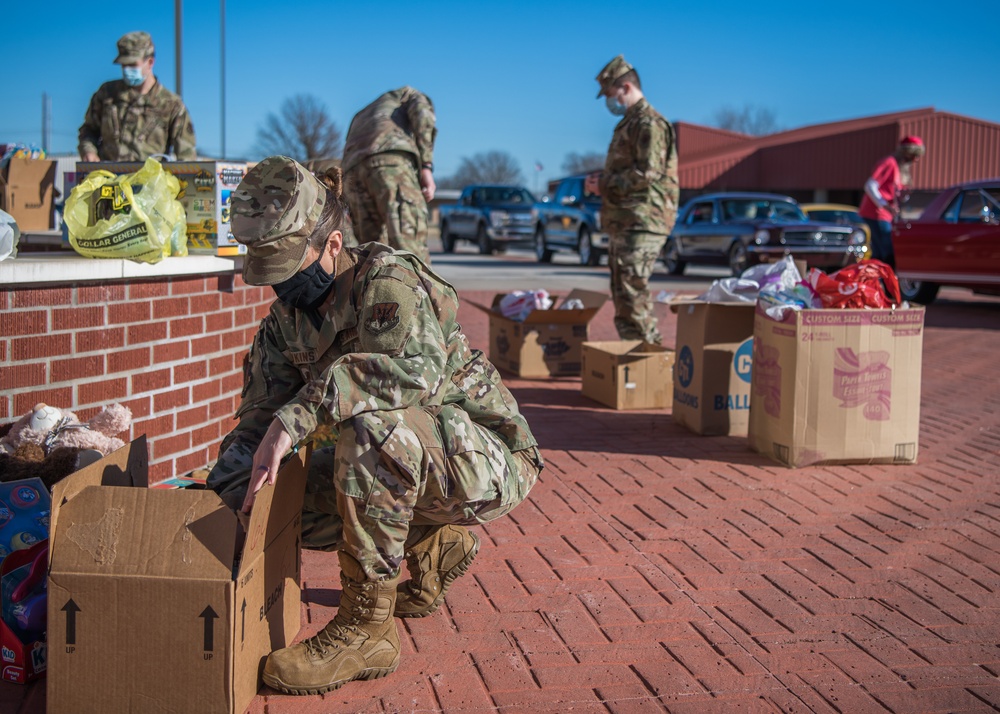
x: 868, y: 284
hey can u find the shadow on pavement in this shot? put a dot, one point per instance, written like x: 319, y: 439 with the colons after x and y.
x: 963, y: 314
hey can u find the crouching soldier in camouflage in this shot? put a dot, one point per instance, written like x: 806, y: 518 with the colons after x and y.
x: 640, y: 192
x: 362, y: 349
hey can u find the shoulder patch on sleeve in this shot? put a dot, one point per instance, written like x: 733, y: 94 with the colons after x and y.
x: 386, y: 316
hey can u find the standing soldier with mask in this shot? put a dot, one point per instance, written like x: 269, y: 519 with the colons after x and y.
x: 363, y: 349
x: 133, y: 118
x: 640, y: 192
x: 388, y: 170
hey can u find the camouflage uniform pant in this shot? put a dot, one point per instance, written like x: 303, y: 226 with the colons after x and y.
x: 631, y: 257
x: 392, y: 473
x: 386, y: 202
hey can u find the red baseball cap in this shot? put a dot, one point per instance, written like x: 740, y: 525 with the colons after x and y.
x: 913, y: 140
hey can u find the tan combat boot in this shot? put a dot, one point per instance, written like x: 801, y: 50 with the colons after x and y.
x: 359, y: 643
x: 435, y: 561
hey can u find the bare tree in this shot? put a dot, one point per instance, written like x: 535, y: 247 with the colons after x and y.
x: 748, y: 119
x: 497, y: 167
x: 301, y: 129
x: 575, y: 163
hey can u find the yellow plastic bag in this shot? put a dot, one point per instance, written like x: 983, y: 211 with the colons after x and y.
x: 135, y: 216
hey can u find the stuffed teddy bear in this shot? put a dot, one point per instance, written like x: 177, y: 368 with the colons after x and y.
x: 52, y: 443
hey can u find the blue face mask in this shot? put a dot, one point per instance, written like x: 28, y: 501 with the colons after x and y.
x: 133, y: 76
x: 614, y: 106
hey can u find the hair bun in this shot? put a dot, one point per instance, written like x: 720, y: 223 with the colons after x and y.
x: 333, y: 178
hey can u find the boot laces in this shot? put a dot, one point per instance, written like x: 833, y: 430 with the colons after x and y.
x: 340, y: 629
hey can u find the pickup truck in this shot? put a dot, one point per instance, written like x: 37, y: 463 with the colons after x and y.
x: 489, y: 216
x: 570, y: 220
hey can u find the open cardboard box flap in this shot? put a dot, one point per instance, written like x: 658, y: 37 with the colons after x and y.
x: 592, y: 302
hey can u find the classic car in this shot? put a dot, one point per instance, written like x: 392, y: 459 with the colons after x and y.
x: 744, y: 229
x: 837, y: 213
x: 571, y: 220
x: 955, y: 241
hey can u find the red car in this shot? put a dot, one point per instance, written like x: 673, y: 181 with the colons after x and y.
x: 955, y: 241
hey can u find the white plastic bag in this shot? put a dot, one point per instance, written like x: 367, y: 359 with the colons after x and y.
x: 518, y: 304
x: 783, y: 274
x: 9, y: 235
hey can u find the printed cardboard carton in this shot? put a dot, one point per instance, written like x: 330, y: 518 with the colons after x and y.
x: 837, y: 386
x: 712, y: 372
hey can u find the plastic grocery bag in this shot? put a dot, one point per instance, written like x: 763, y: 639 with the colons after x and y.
x: 9, y: 235
x: 519, y: 304
x: 135, y: 216
x: 868, y: 284
x: 747, y: 286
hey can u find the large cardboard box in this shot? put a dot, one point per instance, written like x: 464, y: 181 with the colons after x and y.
x: 712, y: 374
x: 206, y: 187
x: 837, y: 386
x: 548, y: 343
x: 26, y: 192
x: 161, y: 600
x: 628, y: 374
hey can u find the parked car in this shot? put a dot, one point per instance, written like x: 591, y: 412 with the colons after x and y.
x: 955, y: 241
x: 571, y: 220
x: 838, y: 213
x: 744, y: 229
x: 489, y: 216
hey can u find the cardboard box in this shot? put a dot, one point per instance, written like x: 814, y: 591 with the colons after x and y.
x: 628, y: 374
x: 26, y: 192
x: 206, y: 187
x: 712, y: 373
x: 548, y: 343
x: 156, y: 600
x: 837, y: 386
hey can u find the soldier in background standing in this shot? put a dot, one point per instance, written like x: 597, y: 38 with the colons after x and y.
x: 640, y: 193
x: 388, y: 170
x: 133, y: 118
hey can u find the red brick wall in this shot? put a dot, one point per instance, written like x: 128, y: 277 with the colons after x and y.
x: 170, y: 349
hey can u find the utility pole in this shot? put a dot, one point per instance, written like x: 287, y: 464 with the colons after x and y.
x: 178, y: 17
x: 222, y: 63
x: 46, y: 121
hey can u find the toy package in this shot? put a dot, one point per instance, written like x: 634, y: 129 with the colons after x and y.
x: 25, y: 507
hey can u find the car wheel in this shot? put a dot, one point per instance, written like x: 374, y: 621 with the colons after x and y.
x: 542, y: 251
x: 918, y: 291
x: 447, y: 239
x: 588, y: 256
x: 483, y: 241
x: 738, y: 261
x: 672, y: 258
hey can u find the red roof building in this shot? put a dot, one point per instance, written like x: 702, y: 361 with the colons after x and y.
x: 830, y: 162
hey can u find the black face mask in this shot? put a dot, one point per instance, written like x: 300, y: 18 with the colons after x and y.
x: 307, y: 289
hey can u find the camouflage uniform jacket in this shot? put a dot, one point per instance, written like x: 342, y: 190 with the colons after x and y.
x: 389, y: 339
x: 123, y: 125
x: 639, y: 184
x: 400, y: 120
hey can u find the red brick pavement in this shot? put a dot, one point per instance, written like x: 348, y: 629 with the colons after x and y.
x: 653, y: 570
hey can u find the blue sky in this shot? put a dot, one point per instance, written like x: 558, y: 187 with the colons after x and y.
x: 517, y: 77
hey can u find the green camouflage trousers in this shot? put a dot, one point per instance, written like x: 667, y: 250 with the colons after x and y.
x: 394, y: 472
x: 631, y: 257
x: 386, y: 203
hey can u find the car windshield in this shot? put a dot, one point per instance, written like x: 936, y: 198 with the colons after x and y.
x: 835, y: 215
x: 504, y: 194
x: 759, y: 209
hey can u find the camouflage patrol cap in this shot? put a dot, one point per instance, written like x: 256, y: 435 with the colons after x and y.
x: 134, y: 48
x: 274, y: 211
x: 611, y: 72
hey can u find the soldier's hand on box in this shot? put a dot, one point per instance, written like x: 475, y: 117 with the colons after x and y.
x: 91, y: 156
x: 267, y: 460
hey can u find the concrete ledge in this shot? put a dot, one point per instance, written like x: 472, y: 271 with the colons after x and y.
x: 46, y: 268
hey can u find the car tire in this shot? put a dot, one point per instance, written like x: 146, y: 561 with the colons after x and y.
x: 585, y: 246
x: 542, y: 251
x: 671, y: 258
x: 738, y: 260
x: 918, y: 291
x: 447, y: 239
x: 483, y: 241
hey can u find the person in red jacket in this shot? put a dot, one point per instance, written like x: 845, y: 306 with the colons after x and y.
x: 880, y: 206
